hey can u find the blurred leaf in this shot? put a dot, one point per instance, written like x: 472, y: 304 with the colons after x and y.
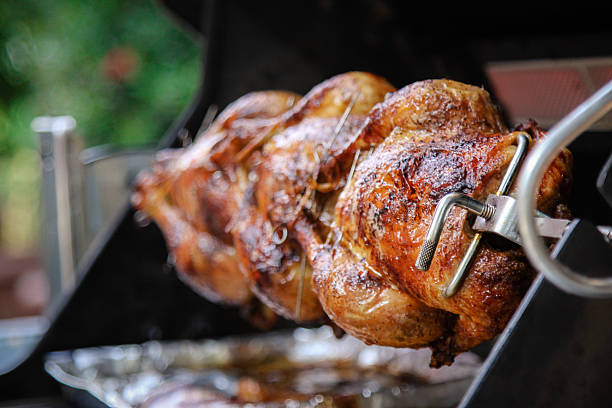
x: 56, y: 58
x: 19, y: 221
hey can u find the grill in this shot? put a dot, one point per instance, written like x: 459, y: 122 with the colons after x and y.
x: 555, y: 350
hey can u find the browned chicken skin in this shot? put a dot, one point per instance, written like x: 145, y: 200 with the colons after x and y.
x: 201, y: 196
x: 281, y: 171
x: 192, y: 200
x: 325, y: 205
x: 436, y: 137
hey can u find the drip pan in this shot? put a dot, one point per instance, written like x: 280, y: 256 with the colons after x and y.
x: 299, y: 368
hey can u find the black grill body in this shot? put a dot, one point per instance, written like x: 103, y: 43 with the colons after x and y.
x: 555, y: 352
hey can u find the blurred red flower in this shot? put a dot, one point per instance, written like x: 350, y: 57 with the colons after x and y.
x: 119, y: 64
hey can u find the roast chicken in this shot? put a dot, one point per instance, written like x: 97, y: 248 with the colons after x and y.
x: 317, y: 208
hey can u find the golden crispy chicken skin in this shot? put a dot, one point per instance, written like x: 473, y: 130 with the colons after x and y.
x: 280, y: 182
x: 442, y: 137
x: 197, y: 194
x: 282, y: 171
x: 318, y: 206
x: 192, y: 200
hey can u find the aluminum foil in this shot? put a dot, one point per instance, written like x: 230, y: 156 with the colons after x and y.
x: 295, y: 369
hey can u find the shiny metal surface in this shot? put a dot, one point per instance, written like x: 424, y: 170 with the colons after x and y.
x: 463, y: 267
x: 523, y: 141
x: 505, y: 221
x: 443, y: 209
x: 319, y: 369
x: 484, y: 211
x: 568, y: 129
x: 62, y: 206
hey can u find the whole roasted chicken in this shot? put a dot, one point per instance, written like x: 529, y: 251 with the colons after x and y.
x: 317, y: 207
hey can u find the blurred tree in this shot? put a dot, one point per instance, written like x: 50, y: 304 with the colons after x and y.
x: 122, y: 69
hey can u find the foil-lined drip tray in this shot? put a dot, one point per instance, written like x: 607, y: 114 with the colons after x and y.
x: 299, y: 368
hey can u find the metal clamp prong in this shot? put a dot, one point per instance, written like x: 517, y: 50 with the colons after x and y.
x: 443, y: 209
x: 484, y: 210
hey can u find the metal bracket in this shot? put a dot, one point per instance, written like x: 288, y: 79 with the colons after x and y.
x: 604, y: 181
x: 485, y: 211
x: 568, y: 129
x: 505, y: 221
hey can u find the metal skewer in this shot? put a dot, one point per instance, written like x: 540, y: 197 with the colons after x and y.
x: 446, y: 204
x: 559, y: 136
x: 523, y: 144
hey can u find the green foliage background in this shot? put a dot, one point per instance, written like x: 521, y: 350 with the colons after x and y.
x: 52, y: 59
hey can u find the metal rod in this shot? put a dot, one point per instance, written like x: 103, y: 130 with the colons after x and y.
x: 559, y: 136
x: 523, y: 140
x: 464, y: 265
x: 443, y: 209
x: 63, y: 219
